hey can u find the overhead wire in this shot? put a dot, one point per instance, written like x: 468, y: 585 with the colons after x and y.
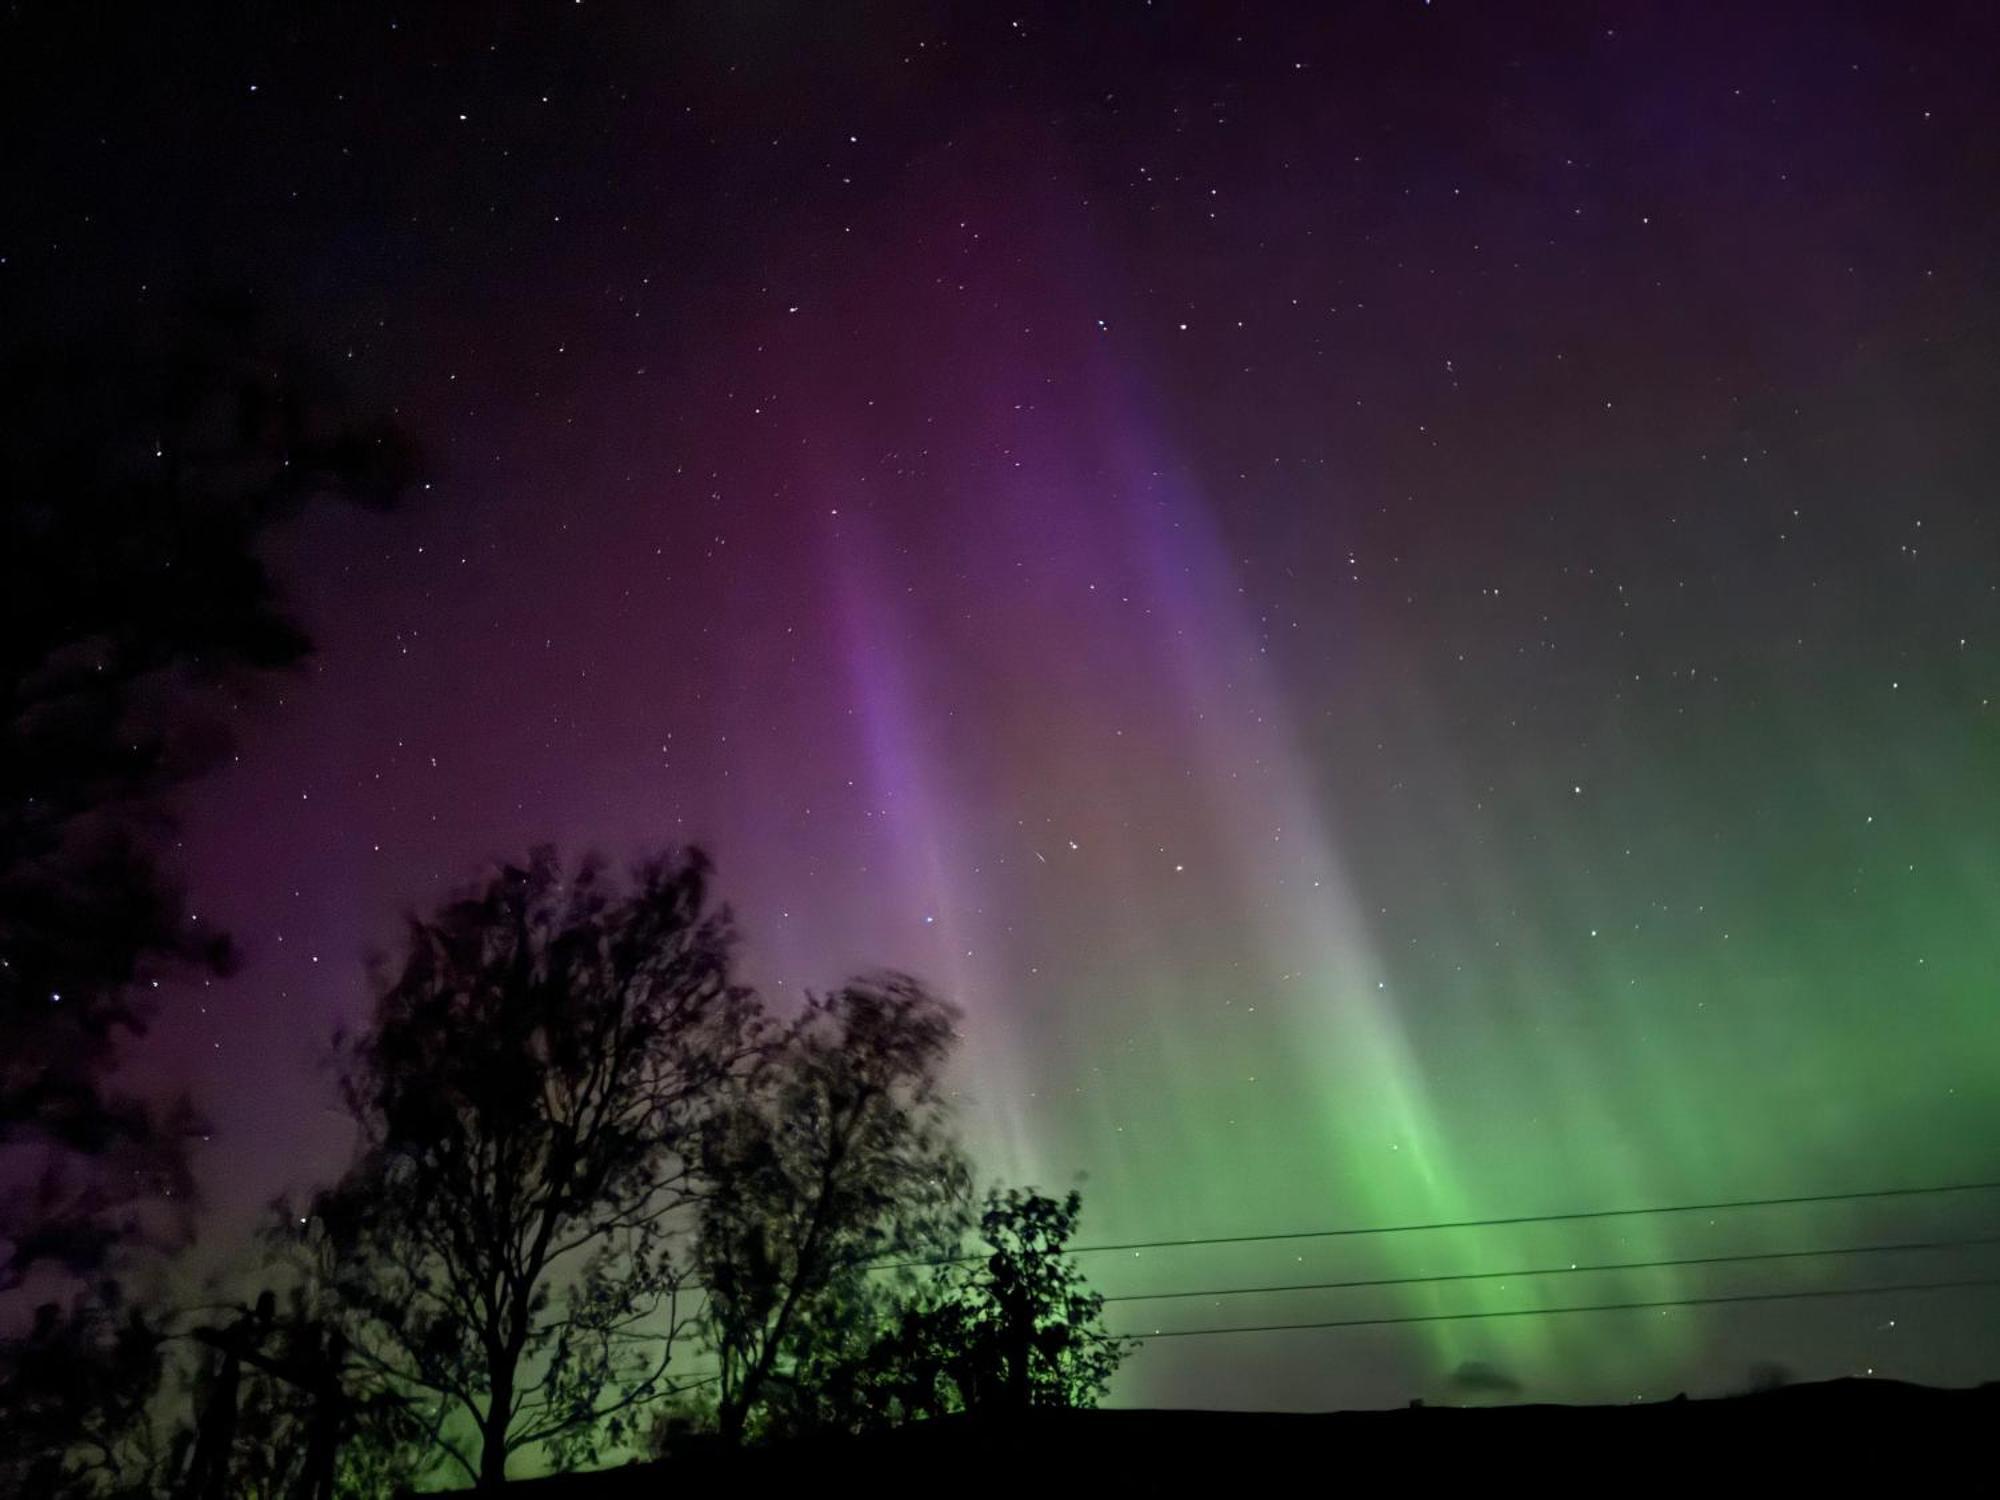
x: 1144, y: 1335
x: 1499, y: 1222
x: 1573, y: 1269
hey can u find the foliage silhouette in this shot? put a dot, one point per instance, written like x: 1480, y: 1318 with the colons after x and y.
x: 78, y: 1383
x: 1021, y: 1330
x: 279, y: 1411
x: 134, y: 615
x: 138, y: 476
x: 530, y: 1097
x: 839, y: 1155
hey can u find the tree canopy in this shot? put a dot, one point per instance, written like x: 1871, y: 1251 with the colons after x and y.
x: 531, y: 1098
x: 838, y: 1157
x: 139, y: 477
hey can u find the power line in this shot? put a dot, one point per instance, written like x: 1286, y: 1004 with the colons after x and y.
x: 1516, y: 1219
x: 1536, y: 1312
x: 1363, y: 1283
x: 1513, y: 1220
x: 1619, y: 1265
x: 1530, y: 1312
x: 1815, y: 1293
x: 1812, y: 1294
x: 1496, y: 1223
x: 1911, y: 1246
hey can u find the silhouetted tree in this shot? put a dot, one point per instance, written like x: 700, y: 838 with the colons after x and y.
x: 78, y: 1382
x: 529, y: 1097
x: 135, y: 485
x: 278, y: 1410
x: 1021, y: 1330
x: 137, y: 479
x: 839, y: 1156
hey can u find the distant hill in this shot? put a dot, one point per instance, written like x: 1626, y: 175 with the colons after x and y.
x: 1834, y: 1427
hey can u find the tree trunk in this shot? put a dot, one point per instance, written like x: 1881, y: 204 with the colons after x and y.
x: 1019, y: 1317
x: 729, y: 1422
x: 493, y: 1449
x: 499, y: 1417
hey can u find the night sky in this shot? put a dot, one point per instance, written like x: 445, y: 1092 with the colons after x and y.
x: 1401, y: 601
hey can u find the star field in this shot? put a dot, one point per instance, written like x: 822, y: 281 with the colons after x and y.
x: 1401, y: 603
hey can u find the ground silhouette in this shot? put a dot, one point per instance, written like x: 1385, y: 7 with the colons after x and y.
x: 1797, y: 1436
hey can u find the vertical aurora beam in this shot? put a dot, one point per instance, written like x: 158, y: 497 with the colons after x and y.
x: 912, y: 793
x: 1160, y: 893
x: 1368, y: 1129
x: 1232, y: 1057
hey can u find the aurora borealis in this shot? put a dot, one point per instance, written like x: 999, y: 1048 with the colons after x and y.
x: 1403, y: 605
